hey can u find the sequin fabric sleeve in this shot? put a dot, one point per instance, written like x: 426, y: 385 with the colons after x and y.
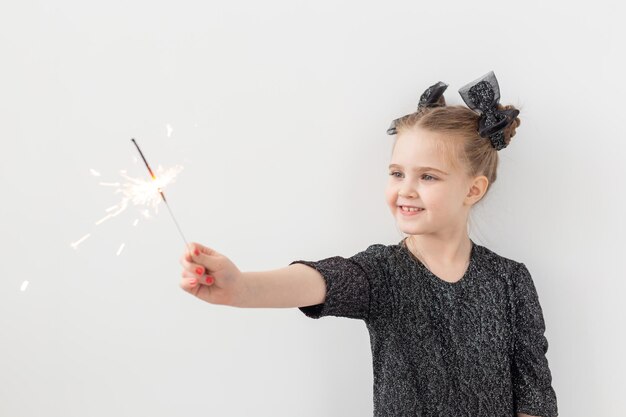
x: 531, y: 376
x: 351, y: 284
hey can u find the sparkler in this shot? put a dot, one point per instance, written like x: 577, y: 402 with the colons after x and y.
x: 139, y: 192
x: 162, y: 196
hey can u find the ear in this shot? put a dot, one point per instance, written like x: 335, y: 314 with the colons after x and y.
x: 477, y: 188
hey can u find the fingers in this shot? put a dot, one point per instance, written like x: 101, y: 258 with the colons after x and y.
x: 191, y: 283
x: 205, y: 258
x: 195, y: 262
x: 197, y: 268
x: 199, y: 274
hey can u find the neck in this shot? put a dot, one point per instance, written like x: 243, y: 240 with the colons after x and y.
x: 437, y: 251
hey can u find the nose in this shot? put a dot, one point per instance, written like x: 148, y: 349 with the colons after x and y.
x: 406, y: 191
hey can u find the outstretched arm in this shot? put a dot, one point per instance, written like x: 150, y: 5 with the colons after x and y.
x: 214, y: 278
x: 293, y: 286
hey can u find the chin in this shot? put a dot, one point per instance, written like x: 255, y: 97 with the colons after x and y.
x: 411, y: 230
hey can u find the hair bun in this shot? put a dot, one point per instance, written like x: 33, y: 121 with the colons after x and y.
x: 509, y: 131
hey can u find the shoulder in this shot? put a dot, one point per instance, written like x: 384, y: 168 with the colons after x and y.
x: 376, y: 252
x: 385, y: 257
x: 379, y: 250
x: 390, y: 254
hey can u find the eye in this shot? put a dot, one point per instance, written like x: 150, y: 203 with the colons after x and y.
x: 425, y: 175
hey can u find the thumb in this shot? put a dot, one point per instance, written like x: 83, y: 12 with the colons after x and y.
x: 201, y: 254
x: 198, y: 248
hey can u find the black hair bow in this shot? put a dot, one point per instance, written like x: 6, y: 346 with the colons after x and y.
x: 483, y: 95
x: 429, y: 98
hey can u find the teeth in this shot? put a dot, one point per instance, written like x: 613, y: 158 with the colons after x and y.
x: 410, y: 208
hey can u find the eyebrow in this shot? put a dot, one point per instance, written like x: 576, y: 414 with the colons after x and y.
x: 418, y: 169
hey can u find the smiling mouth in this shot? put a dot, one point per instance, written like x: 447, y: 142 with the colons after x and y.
x: 410, y: 210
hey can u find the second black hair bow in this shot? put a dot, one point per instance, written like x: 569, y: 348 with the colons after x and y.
x: 483, y: 95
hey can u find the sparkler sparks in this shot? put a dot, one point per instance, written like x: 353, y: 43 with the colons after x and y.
x: 138, y: 192
x: 78, y: 242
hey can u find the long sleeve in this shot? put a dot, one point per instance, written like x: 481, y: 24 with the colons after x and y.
x: 532, y: 379
x: 351, y: 284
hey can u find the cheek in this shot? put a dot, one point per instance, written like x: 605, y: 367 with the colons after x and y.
x: 436, y: 200
x: 390, y: 195
x: 444, y: 201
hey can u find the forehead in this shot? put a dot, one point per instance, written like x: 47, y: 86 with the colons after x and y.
x: 418, y: 148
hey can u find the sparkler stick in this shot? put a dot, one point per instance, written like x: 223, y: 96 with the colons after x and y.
x: 162, y: 196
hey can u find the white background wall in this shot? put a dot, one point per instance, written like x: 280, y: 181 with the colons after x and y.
x: 278, y: 112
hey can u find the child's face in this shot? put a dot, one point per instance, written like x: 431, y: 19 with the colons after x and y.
x: 444, y: 196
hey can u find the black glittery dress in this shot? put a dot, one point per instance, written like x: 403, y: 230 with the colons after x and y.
x: 474, y: 348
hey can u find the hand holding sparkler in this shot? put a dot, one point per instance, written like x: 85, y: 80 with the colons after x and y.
x: 211, y: 276
x: 198, y: 260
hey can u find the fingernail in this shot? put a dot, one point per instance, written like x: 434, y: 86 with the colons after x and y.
x: 196, y: 252
x: 209, y: 279
x: 199, y: 270
x: 193, y: 281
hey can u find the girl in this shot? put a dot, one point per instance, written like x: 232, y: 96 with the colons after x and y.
x: 455, y: 328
